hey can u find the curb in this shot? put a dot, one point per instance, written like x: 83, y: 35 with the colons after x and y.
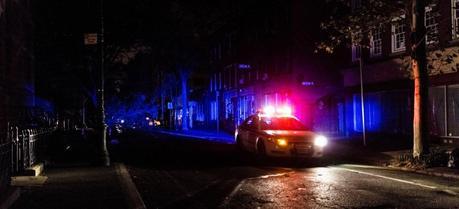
x: 426, y: 172
x: 132, y: 195
x: 11, y: 197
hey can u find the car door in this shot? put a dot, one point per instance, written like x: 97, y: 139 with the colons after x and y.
x: 253, y: 133
x: 243, y: 132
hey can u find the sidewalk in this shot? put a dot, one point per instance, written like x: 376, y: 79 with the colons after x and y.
x: 221, y: 136
x: 367, y: 156
x: 75, y: 187
x: 433, y: 171
x: 71, y: 180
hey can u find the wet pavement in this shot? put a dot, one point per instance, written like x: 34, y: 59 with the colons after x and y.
x: 180, y: 172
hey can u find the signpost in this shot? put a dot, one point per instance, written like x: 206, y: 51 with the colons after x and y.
x: 90, y: 39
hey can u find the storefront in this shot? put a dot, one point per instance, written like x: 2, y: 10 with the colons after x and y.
x: 444, y: 111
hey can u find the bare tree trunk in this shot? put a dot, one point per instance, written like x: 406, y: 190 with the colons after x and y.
x: 419, y: 67
x: 102, y: 126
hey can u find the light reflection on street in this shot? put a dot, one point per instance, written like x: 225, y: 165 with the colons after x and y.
x: 323, y: 179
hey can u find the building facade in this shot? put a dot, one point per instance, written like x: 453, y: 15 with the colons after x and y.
x: 17, y: 88
x: 388, y: 89
x: 267, y: 58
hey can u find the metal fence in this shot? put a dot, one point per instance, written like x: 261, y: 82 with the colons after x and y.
x: 5, y: 164
x: 20, y: 149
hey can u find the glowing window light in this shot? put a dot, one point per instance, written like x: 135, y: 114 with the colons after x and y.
x: 147, y: 118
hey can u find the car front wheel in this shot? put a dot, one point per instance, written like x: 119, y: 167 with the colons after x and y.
x: 261, y: 150
x: 239, y: 145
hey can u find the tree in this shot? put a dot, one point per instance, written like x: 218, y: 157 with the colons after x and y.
x: 351, y: 21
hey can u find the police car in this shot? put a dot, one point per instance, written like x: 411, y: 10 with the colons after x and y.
x: 277, y: 133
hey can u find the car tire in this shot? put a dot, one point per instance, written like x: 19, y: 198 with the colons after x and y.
x: 239, y: 145
x: 261, y: 149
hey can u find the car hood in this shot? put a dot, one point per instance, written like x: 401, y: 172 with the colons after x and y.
x: 289, y: 133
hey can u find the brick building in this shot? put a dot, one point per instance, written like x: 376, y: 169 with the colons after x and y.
x: 267, y: 58
x: 388, y: 90
x: 17, y: 90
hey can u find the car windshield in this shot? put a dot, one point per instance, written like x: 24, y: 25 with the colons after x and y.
x: 281, y: 123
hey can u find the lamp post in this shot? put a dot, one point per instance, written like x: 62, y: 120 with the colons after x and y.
x: 362, y: 103
x: 104, y: 156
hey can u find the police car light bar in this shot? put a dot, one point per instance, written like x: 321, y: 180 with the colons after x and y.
x: 270, y: 110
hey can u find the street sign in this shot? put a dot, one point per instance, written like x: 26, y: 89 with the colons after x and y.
x: 90, y: 38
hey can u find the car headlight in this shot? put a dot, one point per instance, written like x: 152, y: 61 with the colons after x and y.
x: 281, y: 142
x: 320, y: 141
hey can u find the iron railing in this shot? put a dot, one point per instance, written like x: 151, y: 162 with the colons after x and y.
x: 5, y: 165
x: 20, y: 149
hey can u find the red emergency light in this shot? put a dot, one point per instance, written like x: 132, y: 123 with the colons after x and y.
x: 271, y: 110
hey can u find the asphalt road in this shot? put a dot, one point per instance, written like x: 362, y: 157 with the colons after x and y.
x: 174, y: 172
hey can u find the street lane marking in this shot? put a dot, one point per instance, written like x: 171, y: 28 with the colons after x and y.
x: 367, y: 166
x: 135, y: 201
x: 231, y: 195
x: 399, y: 180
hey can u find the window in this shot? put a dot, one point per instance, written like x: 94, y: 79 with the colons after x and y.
x: 431, y: 26
x: 215, y: 82
x: 455, y: 18
x: 453, y: 110
x: 376, y: 42
x: 355, y: 52
x: 444, y: 110
x: 251, y: 123
x: 356, y: 4
x: 228, y: 108
x: 281, y: 123
x: 213, y: 110
x: 398, y: 35
x: 437, y: 110
x: 219, y: 80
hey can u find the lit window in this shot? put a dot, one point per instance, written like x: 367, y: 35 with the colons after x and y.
x: 213, y: 110
x: 355, y: 47
x: 398, y: 35
x: 455, y: 18
x: 376, y: 42
x: 431, y: 26
x: 355, y: 52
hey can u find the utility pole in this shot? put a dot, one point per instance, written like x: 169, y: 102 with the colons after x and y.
x: 362, y: 102
x: 104, y: 156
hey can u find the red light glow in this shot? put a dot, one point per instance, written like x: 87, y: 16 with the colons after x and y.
x: 285, y: 110
x: 270, y: 110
